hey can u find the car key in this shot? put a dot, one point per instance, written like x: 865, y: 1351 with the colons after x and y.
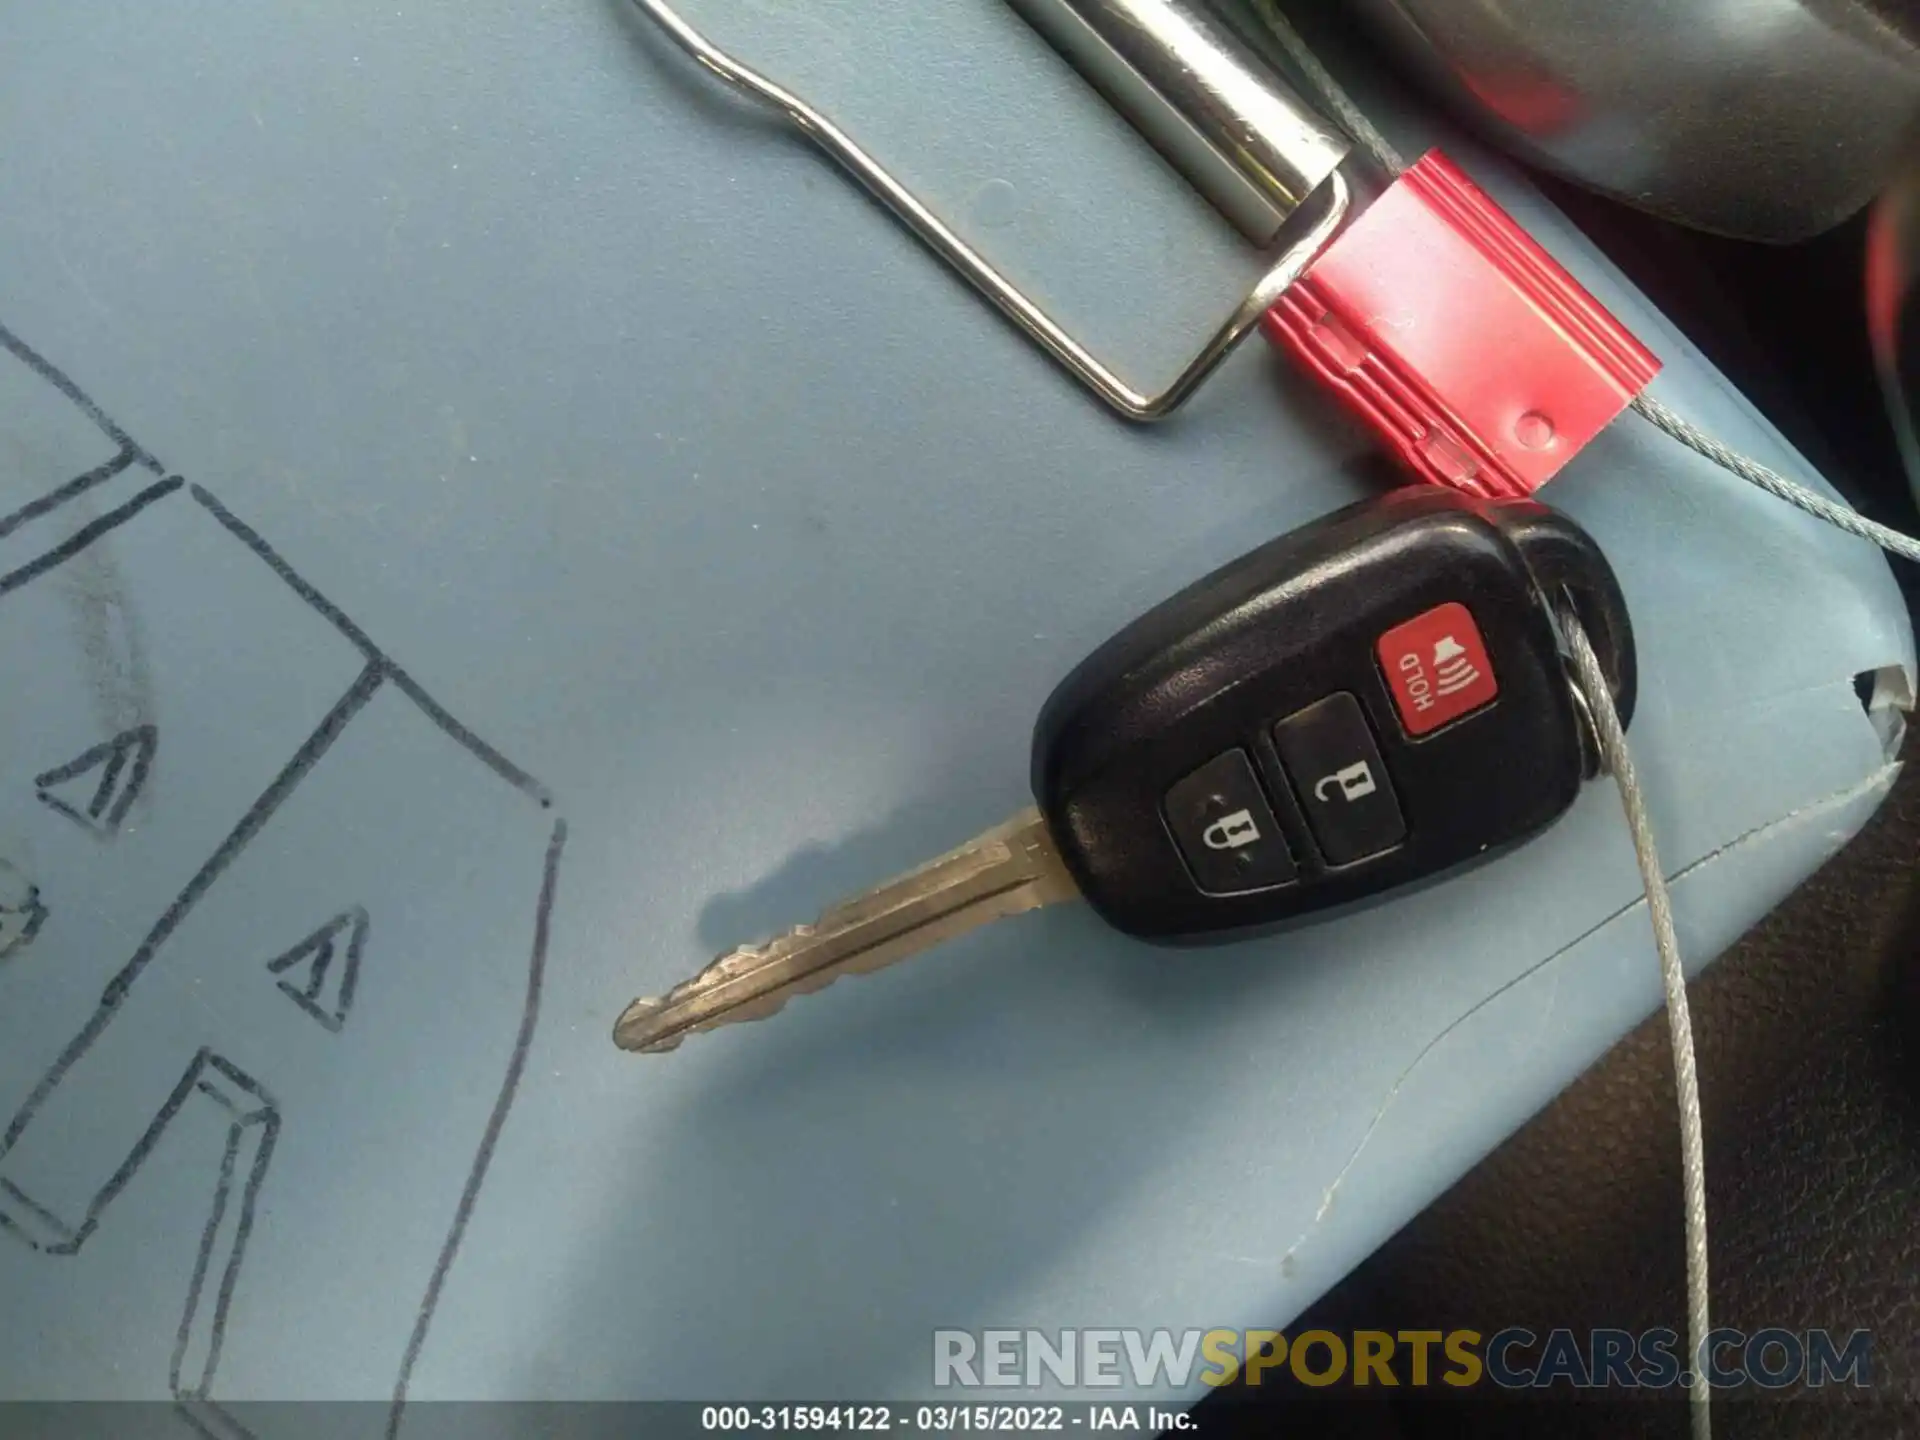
x: 1368, y: 701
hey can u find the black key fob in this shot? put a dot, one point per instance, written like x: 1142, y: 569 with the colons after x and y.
x: 1362, y: 703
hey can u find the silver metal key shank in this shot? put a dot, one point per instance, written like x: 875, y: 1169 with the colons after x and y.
x: 1011, y: 868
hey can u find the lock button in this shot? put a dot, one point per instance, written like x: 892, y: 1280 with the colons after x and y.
x: 1329, y: 755
x: 1225, y: 829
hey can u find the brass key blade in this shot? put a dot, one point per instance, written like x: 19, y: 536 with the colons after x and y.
x: 1011, y: 868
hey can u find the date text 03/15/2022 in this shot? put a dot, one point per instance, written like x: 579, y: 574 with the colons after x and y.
x: 944, y: 1419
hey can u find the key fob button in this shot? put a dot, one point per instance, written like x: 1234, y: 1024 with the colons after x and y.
x: 1225, y: 829
x: 1416, y: 629
x: 1437, y: 668
x: 1329, y: 756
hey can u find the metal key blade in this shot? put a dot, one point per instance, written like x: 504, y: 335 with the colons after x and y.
x: 1011, y: 868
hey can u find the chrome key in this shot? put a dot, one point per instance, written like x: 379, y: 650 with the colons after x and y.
x: 1011, y: 868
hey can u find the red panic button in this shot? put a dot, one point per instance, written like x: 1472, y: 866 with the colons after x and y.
x: 1436, y: 665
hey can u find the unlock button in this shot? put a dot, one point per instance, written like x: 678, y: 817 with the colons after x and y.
x: 1226, y: 831
x: 1329, y: 754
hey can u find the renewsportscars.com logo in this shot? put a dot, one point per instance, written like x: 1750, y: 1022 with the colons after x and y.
x: 1513, y: 1359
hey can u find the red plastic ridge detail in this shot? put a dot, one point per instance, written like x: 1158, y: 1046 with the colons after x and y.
x: 1446, y: 327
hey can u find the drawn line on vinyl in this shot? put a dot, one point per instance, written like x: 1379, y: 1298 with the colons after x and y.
x: 87, y: 534
x: 112, y: 799
x: 318, y: 952
x: 253, y: 1118
x: 304, y: 759
x: 509, y: 1088
x: 77, y: 486
x: 434, y: 710
x: 40, y: 366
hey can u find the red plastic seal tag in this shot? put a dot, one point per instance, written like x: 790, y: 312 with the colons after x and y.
x: 1446, y: 327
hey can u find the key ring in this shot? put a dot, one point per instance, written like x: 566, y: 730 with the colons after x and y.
x: 1330, y: 200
